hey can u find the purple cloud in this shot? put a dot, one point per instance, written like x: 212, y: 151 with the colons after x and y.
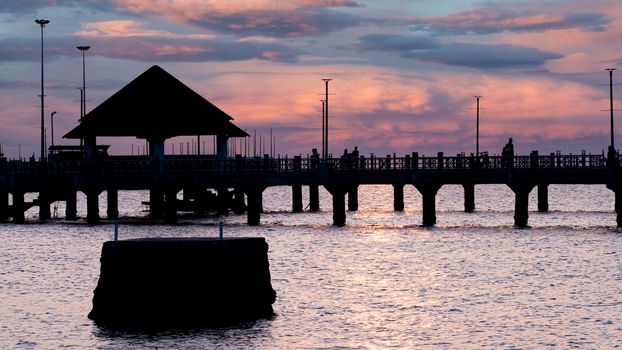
x: 494, y: 18
x: 395, y: 43
x: 149, y: 49
x: 484, y: 56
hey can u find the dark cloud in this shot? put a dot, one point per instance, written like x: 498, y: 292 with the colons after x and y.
x: 484, y: 56
x: 297, y: 23
x: 149, y: 49
x: 328, y: 3
x: 28, y: 6
x: 16, y: 84
x: 494, y: 18
x: 395, y: 43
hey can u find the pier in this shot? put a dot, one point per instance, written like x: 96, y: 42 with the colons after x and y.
x: 239, y: 182
x: 155, y: 106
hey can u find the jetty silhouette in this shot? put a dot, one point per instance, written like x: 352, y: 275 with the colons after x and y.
x: 156, y: 106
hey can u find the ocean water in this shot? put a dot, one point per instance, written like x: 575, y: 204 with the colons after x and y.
x: 382, y: 282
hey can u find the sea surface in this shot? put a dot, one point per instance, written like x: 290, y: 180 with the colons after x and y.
x: 382, y: 282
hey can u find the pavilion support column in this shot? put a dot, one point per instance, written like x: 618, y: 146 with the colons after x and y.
x: 398, y: 197
x: 353, y: 198
x: 156, y: 203
x: 339, y: 203
x: 4, y: 205
x: 543, y: 198
x: 521, y: 203
x: 71, y: 205
x: 254, y: 206
x: 112, y: 211
x: 314, y: 198
x: 18, y: 207
x: 90, y: 147
x: 469, y: 198
x: 92, y: 206
x: 296, y: 198
x: 221, y: 150
x: 428, y: 196
x: 44, y: 205
x: 170, y: 206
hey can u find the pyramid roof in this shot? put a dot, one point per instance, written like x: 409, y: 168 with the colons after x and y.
x: 155, y: 105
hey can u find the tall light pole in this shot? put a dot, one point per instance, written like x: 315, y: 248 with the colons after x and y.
x: 477, y: 129
x: 610, y: 70
x: 323, y: 131
x: 52, y: 125
x: 83, y: 49
x: 326, y: 119
x: 42, y: 23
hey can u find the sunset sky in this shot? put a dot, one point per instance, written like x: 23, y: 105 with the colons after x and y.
x: 404, y: 72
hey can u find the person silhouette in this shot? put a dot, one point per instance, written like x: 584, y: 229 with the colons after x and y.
x: 507, y: 155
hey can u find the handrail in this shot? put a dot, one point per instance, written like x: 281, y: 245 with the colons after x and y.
x: 298, y: 164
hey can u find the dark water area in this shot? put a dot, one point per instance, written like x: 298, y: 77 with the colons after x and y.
x: 383, y: 281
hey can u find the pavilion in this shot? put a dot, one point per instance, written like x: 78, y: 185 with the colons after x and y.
x: 155, y: 106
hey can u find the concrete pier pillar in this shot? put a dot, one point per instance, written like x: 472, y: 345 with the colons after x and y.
x: 543, y: 198
x: 469, y: 197
x: 71, y: 205
x: 428, y: 196
x: 239, y: 206
x: 112, y: 210
x: 398, y: 197
x: 4, y: 205
x: 296, y: 198
x: 353, y: 198
x: 314, y: 198
x: 44, y: 206
x: 339, y: 203
x: 170, y: 206
x: 92, y: 206
x: 254, y: 206
x: 224, y: 198
x: 156, y: 203
x: 18, y: 207
x: 521, y: 204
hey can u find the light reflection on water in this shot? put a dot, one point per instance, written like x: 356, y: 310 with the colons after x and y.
x: 472, y: 281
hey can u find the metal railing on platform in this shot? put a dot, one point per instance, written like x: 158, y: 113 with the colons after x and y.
x: 145, y: 165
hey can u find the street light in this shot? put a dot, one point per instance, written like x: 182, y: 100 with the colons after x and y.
x: 52, y: 125
x: 326, y: 119
x: 477, y: 129
x: 610, y: 70
x: 83, y: 49
x: 42, y: 23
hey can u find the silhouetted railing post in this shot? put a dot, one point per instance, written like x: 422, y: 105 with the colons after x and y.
x: 415, y: 160
x: 440, y: 160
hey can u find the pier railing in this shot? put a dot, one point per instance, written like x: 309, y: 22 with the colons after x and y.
x: 242, y: 165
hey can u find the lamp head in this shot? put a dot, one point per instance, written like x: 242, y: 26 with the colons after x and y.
x: 83, y: 48
x: 42, y: 22
x: 611, y: 69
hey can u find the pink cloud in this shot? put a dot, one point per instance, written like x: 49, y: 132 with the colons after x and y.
x: 249, y: 18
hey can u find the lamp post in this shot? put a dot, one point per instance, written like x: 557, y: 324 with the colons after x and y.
x: 83, y: 49
x: 52, y: 125
x: 477, y: 129
x: 610, y: 70
x: 326, y: 119
x: 323, y: 128
x: 42, y: 23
